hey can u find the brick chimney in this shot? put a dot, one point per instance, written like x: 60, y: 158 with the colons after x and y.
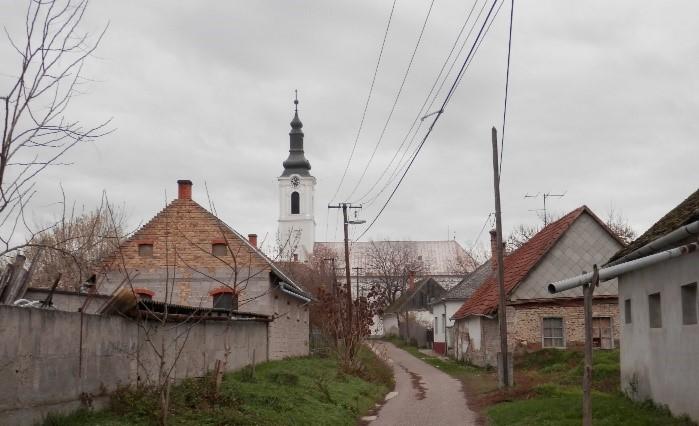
x: 184, y: 189
x: 411, y: 280
x: 253, y: 239
x: 493, y: 249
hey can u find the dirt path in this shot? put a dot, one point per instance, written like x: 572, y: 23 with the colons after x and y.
x: 425, y: 395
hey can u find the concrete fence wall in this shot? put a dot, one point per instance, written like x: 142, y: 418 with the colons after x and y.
x: 55, y: 361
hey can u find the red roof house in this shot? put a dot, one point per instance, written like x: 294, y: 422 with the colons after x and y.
x: 535, y: 318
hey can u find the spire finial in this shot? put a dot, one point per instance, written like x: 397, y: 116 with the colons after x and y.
x: 296, y: 101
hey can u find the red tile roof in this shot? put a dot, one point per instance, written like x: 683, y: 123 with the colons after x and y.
x: 517, y: 266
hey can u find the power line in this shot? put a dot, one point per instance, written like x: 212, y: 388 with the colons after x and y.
x: 422, y: 110
x: 452, y: 89
x: 395, y: 101
x: 366, y: 105
x: 400, y: 166
x: 507, y: 86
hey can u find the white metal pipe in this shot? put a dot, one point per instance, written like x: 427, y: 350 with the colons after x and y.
x: 282, y: 287
x: 612, y: 272
x: 673, y: 237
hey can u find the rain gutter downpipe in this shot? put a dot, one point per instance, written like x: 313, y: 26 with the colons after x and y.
x: 611, y: 272
x: 673, y: 237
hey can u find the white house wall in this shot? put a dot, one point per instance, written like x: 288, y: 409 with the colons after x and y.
x: 583, y: 245
x: 660, y: 363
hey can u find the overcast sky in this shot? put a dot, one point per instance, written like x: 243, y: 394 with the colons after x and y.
x: 604, y: 107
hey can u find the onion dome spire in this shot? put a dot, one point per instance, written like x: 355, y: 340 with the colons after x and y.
x: 296, y: 163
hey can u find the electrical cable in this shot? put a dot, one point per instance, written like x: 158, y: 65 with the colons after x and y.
x: 452, y: 89
x: 366, y: 105
x: 395, y: 101
x: 423, y: 108
x: 507, y: 86
x: 401, y: 167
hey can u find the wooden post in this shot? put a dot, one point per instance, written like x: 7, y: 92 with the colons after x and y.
x: 502, y: 314
x: 588, y: 289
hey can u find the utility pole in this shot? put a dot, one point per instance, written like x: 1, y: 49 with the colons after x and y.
x: 502, y: 314
x: 356, y: 276
x: 347, y: 222
x: 588, y: 289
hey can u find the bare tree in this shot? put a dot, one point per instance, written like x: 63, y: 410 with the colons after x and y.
x: 78, y: 242
x: 36, y: 133
x: 390, y: 263
x: 463, y: 264
x: 520, y: 235
x: 620, y: 226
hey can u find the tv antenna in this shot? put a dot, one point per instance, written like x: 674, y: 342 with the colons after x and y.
x: 545, y: 195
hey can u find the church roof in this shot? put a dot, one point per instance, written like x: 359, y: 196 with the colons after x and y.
x: 439, y: 258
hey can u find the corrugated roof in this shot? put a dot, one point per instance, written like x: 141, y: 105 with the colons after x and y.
x: 685, y: 212
x: 438, y: 257
x: 471, y: 282
x: 484, y: 301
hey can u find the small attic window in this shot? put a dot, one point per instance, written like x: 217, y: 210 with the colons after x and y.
x: 145, y: 249
x: 219, y: 249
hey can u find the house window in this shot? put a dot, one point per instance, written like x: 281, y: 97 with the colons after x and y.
x: 627, y: 311
x: 689, y: 304
x: 436, y: 326
x: 224, y: 298
x: 553, y: 333
x: 602, y: 333
x: 145, y: 250
x: 219, y: 249
x: 295, y: 203
x: 654, y: 311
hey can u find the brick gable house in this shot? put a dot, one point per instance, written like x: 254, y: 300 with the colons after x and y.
x: 186, y: 255
x: 535, y: 318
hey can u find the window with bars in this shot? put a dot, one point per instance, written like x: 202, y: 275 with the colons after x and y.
x: 553, y: 332
x: 627, y: 311
x: 654, y: 311
x: 689, y: 304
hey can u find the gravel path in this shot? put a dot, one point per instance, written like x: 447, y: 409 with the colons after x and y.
x: 425, y: 395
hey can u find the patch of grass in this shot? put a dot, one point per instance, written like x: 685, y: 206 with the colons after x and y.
x: 299, y: 391
x: 561, y: 406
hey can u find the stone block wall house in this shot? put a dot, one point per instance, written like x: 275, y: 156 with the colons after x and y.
x: 186, y: 255
x: 409, y: 316
x: 446, y: 306
x: 659, y: 307
x: 535, y: 318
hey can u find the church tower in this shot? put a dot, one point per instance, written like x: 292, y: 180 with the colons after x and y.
x: 296, y: 198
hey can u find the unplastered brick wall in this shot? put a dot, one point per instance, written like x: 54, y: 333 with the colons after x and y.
x: 182, y: 235
x: 528, y: 320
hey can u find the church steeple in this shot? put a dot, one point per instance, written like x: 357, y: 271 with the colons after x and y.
x: 296, y: 163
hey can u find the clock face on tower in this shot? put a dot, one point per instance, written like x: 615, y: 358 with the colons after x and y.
x: 295, y: 181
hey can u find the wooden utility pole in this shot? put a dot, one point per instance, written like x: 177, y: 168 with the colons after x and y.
x: 348, y: 282
x: 588, y: 289
x: 502, y: 314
